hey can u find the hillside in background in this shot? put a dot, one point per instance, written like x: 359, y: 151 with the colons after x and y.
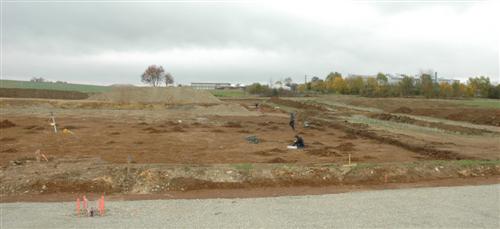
x: 85, y: 88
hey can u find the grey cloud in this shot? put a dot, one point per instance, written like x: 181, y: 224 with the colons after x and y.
x: 38, y: 37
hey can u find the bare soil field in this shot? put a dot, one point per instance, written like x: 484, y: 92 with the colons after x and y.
x: 458, y: 110
x: 145, y: 147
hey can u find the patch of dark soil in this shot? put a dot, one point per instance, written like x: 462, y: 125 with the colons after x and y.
x: 30, y: 132
x: 6, y: 124
x: 9, y: 150
x: 142, y: 124
x: 178, y: 129
x: 323, y: 152
x: 277, y: 150
x: 232, y: 124
x: 218, y: 131
x: 110, y: 142
x: 277, y: 160
x: 345, y: 146
x: 153, y: 130
x: 317, y: 143
x: 273, y: 127
x: 70, y: 127
x: 114, y: 133
x: 30, y: 127
x: 244, y: 131
x: 349, y: 136
x: 7, y: 139
x: 404, y: 110
x: 138, y: 142
x: 263, y: 153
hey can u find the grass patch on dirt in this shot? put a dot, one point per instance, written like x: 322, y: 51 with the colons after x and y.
x: 244, y: 167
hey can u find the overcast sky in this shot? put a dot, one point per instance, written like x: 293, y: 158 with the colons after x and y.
x: 113, y: 42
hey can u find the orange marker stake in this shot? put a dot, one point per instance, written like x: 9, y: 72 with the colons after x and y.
x: 84, y: 203
x: 101, y: 205
x: 78, y: 206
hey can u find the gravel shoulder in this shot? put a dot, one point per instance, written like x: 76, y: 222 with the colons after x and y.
x: 452, y: 207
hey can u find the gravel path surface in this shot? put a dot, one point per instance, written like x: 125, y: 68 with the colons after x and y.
x: 450, y: 207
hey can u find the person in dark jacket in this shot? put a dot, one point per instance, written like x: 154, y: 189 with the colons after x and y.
x: 292, y: 121
x: 298, y: 142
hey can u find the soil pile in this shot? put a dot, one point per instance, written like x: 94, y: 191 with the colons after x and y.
x: 169, y: 95
x: 6, y: 124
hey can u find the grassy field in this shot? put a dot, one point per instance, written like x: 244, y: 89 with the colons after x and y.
x: 53, y: 86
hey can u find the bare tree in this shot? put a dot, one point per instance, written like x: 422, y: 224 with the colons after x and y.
x: 153, y: 75
x: 169, y: 79
x: 288, y: 81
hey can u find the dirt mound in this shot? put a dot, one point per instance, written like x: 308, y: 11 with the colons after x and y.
x: 404, y: 110
x: 156, y: 95
x: 6, y: 124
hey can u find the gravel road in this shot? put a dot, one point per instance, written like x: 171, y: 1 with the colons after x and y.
x: 450, y: 207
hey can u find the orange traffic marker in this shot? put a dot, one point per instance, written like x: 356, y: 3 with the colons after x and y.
x: 101, y: 205
x: 78, y: 206
x: 85, y: 203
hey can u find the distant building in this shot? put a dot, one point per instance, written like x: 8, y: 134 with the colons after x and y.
x: 397, y: 77
x: 449, y: 81
x: 209, y: 86
x: 391, y: 78
x: 280, y: 85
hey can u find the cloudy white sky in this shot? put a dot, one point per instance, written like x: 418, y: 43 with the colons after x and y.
x: 106, y: 42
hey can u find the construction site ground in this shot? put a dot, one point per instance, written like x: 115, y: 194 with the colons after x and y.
x: 189, y: 150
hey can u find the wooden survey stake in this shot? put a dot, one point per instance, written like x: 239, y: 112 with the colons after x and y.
x: 53, y: 122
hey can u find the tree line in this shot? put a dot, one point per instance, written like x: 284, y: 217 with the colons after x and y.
x: 379, y: 86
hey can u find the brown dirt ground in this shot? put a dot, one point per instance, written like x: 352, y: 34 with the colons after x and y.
x: 252, y: 192
x: 109, y: 135
x: 218, y: 141
x: 425, y: 107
